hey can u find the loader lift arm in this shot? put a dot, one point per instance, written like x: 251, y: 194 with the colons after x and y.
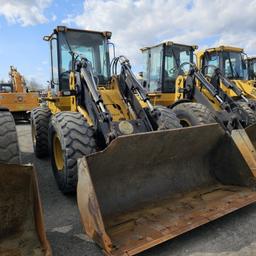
x: 88, y: 95
x: 131, y: 81
x: 130, y: 87
x: 92, y: 101
x: 219, y: 77
x: 232, y: 116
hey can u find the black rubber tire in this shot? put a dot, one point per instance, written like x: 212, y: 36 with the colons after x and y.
x: 251, y: 113
x: 77, y: 140
x: 9, y: 146
x: 167, y: 120
x: 40, y: 118
x: 192, y: 114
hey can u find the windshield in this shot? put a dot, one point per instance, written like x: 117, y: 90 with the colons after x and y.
x: 211, y: 63
x: 155, y: 68
x: 92, y: 46
x: 174, y: 57
x: 233, y: 65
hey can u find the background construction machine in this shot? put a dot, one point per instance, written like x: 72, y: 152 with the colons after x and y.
x: 16, y: 97
x: 172, y: 80
x: 232, y: 65
x: 137, y: 187
x: 196, y: 99
x: 21, y: 220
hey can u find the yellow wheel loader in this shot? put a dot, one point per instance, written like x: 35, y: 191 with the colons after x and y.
x: 86, y: 107
x: 231, y: 64
x: 172, y: 80
x: 21, y: 219
x: 140, y: 178
x: 16, y: 97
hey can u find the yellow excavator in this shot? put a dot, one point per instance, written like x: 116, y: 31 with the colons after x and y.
x: 22, y: 229
x: 16, y: 97
x: 141, y: 179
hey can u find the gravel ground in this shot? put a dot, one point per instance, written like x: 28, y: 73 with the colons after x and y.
x: 234, y: 234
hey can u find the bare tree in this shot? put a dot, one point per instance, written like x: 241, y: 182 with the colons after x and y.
x: 33, y: 85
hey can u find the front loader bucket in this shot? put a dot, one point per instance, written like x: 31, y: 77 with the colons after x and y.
x: 22, y: 230
x: 251, y: 132
x: 148, y: 188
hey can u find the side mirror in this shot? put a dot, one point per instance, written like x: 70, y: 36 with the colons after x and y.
x: 46, y: 38
x: 140, y: 74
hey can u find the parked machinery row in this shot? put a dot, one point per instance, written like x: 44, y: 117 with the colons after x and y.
x: 152, y: 160
x: 149, y: 161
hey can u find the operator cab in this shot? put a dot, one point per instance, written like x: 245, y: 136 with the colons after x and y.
x: 6, y: 87
x: 162, y: 65
x: 230, y: 62
x: 70, y: 45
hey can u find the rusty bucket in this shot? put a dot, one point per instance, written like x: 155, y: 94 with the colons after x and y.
x: 22, y: 229
x: 148, y: 188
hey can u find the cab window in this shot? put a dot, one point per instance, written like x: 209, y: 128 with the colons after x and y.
x: 212, y: 61
x: 155, y: 69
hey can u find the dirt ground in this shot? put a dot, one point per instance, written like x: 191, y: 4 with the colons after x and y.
x: 232, y: 235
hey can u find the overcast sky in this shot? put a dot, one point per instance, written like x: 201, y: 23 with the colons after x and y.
x: 134, y: 24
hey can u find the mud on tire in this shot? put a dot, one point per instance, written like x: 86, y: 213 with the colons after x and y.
x: 9, y: 146
x: 40, y: 118
x: 191, y: 114
x: 76, y: 139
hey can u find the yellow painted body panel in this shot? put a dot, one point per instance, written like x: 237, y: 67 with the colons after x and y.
x: 165, y: 99
x: 83, y: 112
x: 114, y: 102
x: 16, y: 102
x: 62, y: 103
x: 219, y: 49
x: 247, y: 86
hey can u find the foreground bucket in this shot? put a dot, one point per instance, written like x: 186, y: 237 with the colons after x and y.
x: 22, y: 230
x: 251, y: 131
x: 148, y: 188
